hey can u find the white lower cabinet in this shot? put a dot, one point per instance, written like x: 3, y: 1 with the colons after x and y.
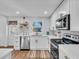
x: 69, y: 51
x: 16, y: 47
x: 17, y: 44
x: 39, y: 43
x: 14, y: 41
x: 62, y: 55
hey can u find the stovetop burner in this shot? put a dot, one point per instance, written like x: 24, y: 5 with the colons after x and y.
x: 57, y: 41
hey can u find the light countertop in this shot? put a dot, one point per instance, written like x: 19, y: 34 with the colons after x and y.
x: 54, y: 37
x: 4, y: 52
x: 49, y: 36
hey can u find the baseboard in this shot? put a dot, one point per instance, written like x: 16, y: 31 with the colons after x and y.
x: 24, y: 49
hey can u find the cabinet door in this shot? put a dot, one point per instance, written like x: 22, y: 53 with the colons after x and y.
x: 11, y: 40
x: 39, y: 43
x: 43, y: 43
x: 74, y: 13
x: 33, y: 43
x: 63, y: 53
x: 16, y: 43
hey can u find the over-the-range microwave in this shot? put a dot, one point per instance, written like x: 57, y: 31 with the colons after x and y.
x: 63, y: 22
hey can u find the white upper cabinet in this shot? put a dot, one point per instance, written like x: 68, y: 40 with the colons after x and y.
x: 74, y: 12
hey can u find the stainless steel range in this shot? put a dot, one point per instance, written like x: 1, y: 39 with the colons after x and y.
x: 70, y: 39
x: 67, y: 39
x: 54, y: 47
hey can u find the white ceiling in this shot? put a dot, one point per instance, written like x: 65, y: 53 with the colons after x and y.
x: 28, y: 7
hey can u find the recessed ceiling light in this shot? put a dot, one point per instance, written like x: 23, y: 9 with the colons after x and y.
x: 45, y: 12
x: 17, y: 12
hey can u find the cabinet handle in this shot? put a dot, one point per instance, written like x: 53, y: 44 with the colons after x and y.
x: 66, y: 57
x: 36, y: 40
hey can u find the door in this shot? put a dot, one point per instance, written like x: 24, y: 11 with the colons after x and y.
x: 34, y: 42
x: 3, y: 29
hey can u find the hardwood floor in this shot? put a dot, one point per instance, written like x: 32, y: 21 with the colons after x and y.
x: 30, y: 55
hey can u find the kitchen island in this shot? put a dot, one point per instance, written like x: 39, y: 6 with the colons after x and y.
x: 69, y: 51
x: 5, y: 53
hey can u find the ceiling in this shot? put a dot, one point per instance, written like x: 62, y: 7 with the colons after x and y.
x: 33, y: 8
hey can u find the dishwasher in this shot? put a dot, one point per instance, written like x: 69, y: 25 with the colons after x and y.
x: 24, y: 43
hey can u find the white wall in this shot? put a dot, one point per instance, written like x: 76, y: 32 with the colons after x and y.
x: 45, y: 23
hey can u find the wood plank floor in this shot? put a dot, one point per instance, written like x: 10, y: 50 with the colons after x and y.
x: 30, y: 55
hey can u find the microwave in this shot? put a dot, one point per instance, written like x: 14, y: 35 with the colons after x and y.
x: 63, y: 22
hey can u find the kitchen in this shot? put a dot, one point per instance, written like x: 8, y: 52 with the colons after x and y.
x: 39, y: 29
